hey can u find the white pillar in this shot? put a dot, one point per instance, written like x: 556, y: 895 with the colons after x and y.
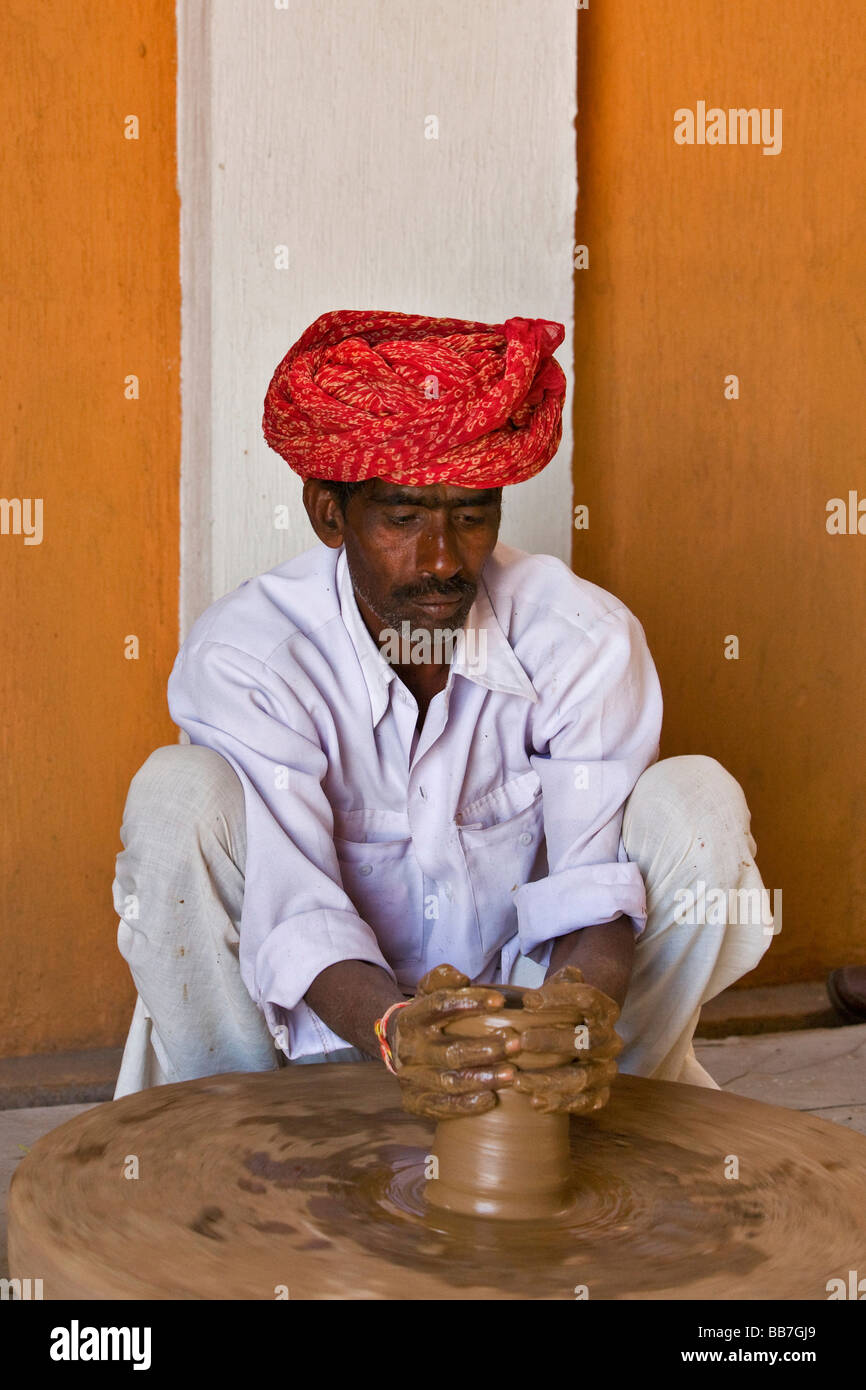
x: 307, y: 125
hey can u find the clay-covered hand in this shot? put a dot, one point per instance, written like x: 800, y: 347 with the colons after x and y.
x: 568, y: 1064
x: 441, y: 1076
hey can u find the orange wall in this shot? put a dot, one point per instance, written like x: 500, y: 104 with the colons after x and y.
x: 708, y: 516
x: 90, y: 270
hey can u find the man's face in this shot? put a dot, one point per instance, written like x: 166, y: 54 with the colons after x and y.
x: 416, y: 553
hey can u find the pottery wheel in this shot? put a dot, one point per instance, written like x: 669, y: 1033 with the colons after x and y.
x: 309, y: 1182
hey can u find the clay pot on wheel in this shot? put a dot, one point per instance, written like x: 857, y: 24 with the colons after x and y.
x: 512, y: 1162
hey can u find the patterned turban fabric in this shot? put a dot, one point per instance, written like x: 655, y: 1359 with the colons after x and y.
x: 417, y: 400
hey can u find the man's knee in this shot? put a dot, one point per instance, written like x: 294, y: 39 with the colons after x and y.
x: 183, y: 823
x: 196, y: 780
x: 690, y: 791
x: 692, y: 776
x: 688, y: 826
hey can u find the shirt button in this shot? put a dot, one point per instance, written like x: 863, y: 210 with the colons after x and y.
x: 526, y: 838
x: 422, y: 793
x: 365, y: 869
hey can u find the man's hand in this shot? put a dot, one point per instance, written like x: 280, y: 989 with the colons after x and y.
x: 443, y: 1076
x: 577, y: 1057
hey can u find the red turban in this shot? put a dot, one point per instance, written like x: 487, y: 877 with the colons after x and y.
x: 368, y: 393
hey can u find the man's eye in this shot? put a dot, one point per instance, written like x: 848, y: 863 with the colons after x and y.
x: 472, y: 519
x: 402, y: 520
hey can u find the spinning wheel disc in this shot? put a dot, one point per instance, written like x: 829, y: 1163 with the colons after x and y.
x: 310, y: 1182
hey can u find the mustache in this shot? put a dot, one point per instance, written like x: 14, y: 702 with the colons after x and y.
x: 454, y: 588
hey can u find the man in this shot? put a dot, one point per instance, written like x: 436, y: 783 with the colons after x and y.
x: 422, y: 764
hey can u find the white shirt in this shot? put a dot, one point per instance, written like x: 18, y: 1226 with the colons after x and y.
x: 492, y: 833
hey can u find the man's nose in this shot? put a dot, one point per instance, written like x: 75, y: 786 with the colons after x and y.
x: 438, y: 553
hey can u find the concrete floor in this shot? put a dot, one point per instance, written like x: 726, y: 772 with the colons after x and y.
x: 821, y: 1071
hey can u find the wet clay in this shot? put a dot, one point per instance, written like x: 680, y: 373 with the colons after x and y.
x: 512, y: 1163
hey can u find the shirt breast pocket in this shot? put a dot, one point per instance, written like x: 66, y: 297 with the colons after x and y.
x: 385, y: 885
x: 502, y: 855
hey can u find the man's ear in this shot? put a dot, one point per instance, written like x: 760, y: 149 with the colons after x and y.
x: 323, y: 509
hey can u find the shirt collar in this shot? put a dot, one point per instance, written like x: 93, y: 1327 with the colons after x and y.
x: 485, y: 655
x: 378, y: 673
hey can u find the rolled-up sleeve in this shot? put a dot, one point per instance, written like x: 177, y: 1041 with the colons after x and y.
x: 296, y: 918
x: 597, y: 728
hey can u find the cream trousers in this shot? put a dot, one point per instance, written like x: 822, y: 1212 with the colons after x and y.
x: 179, y: 886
